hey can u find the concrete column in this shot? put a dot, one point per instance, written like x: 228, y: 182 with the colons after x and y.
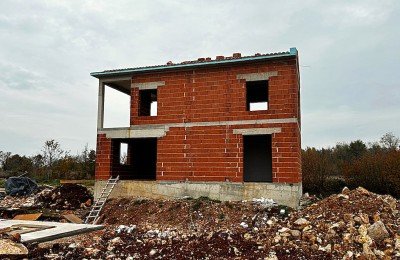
x: 100, y: 111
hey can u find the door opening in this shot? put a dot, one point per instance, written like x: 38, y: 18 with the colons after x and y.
x: 257, y: 157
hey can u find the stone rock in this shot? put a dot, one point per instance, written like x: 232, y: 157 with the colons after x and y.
x: 389, y: 204
x: 295, y: 233
x: 363, y: 191
x: 309, y: 237
x: 363, y: 238
x: 364, y: 218
x: 283, y: 230
x: 271, y: 221
x: 345, y: 190
x: 116, y: 240
x: 348, y: 217
x: 152, y: 252
x: 397, y: 244
x: 379, y: 253
x: 236, y: 251
x: 377, y: 217
x: 328, y: 248
x: 277, y: 239
x: 367, y: 251
x: 8, y: 247
x: 343, y: 196
x: 247, y: 236
x: 348, y: 256
x: 378, y: 231
x: 357, y: 220
x: 301, y: 223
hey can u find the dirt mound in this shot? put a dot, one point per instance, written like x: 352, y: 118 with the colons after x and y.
x: 66, y: 196
x: 354, y: 224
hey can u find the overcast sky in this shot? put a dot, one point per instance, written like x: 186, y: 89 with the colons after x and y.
x: 349, y: 61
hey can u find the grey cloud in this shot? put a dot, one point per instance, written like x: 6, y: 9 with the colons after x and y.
x: 348, y: 56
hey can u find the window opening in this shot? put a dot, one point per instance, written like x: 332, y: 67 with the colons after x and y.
x: 123, y: 154
x: 148, y: 102
x: 116, y: 108
x: 257, y: 95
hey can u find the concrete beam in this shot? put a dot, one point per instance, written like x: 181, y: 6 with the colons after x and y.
x: 145, y: 132
x: 160, y: 130
x: 257, y: 131
x: 148, y: 85
x: 257, y: 76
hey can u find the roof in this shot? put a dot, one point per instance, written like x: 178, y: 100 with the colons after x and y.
x: 196, y: 63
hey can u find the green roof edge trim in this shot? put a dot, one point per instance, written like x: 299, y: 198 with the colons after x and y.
x: 293, y: 52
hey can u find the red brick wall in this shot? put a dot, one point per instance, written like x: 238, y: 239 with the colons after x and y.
x: 103, y: 157
x: 215, y: 94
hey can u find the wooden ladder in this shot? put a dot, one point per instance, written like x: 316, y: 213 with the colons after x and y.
x: 98, y: 205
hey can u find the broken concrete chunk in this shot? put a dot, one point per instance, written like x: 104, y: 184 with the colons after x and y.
x: 8, y: 247
x: 345, y: 190
x: 378, y: 231
x: 301, y: 223
x: 363, y: 191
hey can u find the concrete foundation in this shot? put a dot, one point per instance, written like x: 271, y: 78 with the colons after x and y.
x: 284, y: 194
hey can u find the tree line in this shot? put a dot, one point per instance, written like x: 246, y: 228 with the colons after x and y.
x: 52, y: 162
x: 374, y: 166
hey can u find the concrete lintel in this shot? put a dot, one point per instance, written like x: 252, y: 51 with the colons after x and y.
x: 257, y: 76
x: 148, y: 85
x: 135, y: 133
x: 257, y: 131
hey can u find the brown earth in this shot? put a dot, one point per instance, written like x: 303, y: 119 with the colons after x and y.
x: 355, y: 224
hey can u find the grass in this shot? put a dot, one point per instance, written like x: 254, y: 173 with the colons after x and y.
x: 51, y: 182
x: 197, y: 203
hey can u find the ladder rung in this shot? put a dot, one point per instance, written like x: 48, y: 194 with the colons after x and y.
x: 105, y: 193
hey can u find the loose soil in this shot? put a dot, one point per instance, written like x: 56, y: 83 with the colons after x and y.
x: 206, y: 229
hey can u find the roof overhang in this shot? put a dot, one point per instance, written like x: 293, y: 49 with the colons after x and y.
x: 111, y: 74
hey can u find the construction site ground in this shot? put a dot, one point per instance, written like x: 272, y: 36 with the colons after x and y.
x: 355, y: 224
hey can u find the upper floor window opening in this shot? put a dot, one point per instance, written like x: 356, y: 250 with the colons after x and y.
x: 257, y: 95
x: 148, y: 102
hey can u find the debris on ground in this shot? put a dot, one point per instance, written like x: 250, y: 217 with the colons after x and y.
x: 355, y: 224
x: 10, y: 246
x: 66, y: 196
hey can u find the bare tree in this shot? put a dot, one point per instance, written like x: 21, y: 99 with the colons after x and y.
x: 390, y: 141
x: 51, y: 153
x: 3, y: 159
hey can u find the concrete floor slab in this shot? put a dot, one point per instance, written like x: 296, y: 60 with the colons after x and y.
x: 42, y: 231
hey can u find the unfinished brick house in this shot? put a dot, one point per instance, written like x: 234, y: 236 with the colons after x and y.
x: 227, y: 128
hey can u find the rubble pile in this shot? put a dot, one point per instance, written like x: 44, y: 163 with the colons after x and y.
x: 11, y: 202
x: 10, y: 246
x: 66, y: 196
x: 354, y: 224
